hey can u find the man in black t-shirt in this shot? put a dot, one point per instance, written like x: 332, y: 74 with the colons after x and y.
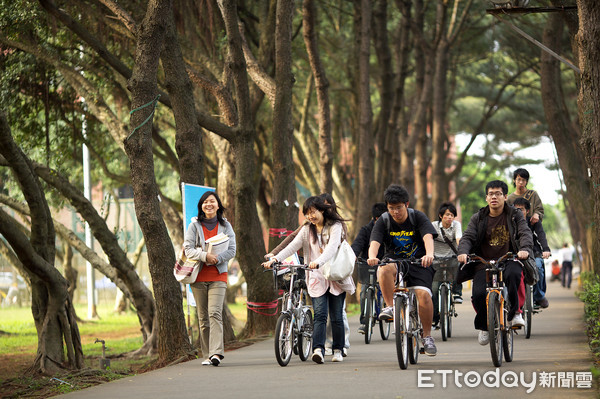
x: 492, y: 232
x: 405, y: 236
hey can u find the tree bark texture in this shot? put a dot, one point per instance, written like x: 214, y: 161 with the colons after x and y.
x: 589, y: 111
x: 170, y: 323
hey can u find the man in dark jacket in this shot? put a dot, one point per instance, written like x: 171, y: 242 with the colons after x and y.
x: 360, y: 246
x: 492, y: 232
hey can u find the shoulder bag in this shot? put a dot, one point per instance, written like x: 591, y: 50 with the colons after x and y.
x: 186, y: 270
x: 530, y: 271
x: 341, y: 265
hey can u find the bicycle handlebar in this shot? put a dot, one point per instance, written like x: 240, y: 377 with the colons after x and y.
x: 504, y: 258
x: 278, y: 265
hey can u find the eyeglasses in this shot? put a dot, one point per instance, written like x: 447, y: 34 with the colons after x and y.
x: 495, y: 194
x: 396, y: 208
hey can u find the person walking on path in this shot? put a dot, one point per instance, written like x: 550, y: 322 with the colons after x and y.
x: 211, y: 284
x: 320, y: 240
x: 566, y: 271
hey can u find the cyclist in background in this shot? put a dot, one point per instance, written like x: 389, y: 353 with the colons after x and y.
x: 360, y: 246
x: 492, y: 232
x: 541, y: 251
x: 520, y: 180
x: 445, y: 244
x: 405, y: 233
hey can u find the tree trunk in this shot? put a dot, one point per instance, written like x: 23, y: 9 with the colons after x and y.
x: 283, y: 213
x: 366, y: 151
x: 251, y: 245
x: 588, y: 103
x: 171, y: 335
x: 322, y: 86
x: 566, y: 137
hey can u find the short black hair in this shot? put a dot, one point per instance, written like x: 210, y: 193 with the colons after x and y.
x: 496, y: 184
x: 521, y: 173
x: 522, y: 201
x: 379, y: 208
x: 446, y: 206
x: 395, y: 194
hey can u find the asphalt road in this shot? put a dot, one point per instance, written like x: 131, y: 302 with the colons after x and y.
x: 548, y: 365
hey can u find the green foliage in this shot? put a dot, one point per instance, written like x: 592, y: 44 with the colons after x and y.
x: 590, y: 296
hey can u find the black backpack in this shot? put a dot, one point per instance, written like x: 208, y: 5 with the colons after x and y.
x: 411, y: 217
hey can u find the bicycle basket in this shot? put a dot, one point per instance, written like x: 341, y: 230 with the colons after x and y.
x: 451, y: 268
x: 365, y: 271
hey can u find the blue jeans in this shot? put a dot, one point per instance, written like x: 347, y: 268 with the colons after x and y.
x: 332, y: 304
x: 539, y: 290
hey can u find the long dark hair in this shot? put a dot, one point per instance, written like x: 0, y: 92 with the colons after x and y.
x: 330, y: 214
x: 202, y: 215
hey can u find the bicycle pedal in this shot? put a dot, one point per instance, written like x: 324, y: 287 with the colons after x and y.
x: 422, y: 350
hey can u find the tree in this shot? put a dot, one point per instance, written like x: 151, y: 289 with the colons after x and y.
x: 52, y: 308
x: 587, y: 101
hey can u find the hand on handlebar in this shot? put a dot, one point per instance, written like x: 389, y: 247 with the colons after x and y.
x: 372, y: 261
x: 313, y: 265
x: 267, y: 264
x: 427, y: 260
x: 522, y: 255
x: 546, y: 255
x: 463, y: 258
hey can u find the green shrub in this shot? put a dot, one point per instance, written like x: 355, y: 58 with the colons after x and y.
x: 590, y: 296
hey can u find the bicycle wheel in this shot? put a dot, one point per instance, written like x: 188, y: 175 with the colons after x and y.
x: 369, y: 315
x: 507, y: 335
x: 400, y: 326
x: 451, y: 316
x: 414, y: 330
x: 444, y: 311
x: 283, y: 339
x: 528, y: 310
x: 494, y: 313
x: 305, y: 335
x: 384, y: 327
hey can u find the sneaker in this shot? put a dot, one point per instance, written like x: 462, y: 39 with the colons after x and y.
x: 317, y: 356
x: 517, y: 321
x: 215, y: 360
x: 483, y: 338
x: 387, y: 314
x: 458, y: 299
x: 206, y: 362
x: 429, y: 346
x: 344, y: 352
x: 543, y: 303
x: 362, y: 329
x: 328, y: 352
x: 337, y: 356
x: 435, y: 326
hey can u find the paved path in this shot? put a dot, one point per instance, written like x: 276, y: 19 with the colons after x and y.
x: 557, y: 345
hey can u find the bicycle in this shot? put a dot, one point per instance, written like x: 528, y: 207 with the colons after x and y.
x: 294, y: 328
x: 500, y: 332
x: 529, y: 309
x: 446, y: 306
x: 367, y: 275
x: 407, y: 322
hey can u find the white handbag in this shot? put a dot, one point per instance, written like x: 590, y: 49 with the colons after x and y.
x: 341, y: 265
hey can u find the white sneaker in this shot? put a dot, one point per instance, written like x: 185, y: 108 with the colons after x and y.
x: 337, y: 356
x: 317, y: 356
x: 483, y: 338
x: 345, y: 352
x: 517, y: 321
x: 328, y: 352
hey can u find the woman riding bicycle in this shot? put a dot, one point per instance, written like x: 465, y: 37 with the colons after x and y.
x: 320, y: 240
x: 492, y: 232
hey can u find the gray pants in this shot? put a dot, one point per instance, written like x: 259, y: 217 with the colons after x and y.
x: 210, y: 297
